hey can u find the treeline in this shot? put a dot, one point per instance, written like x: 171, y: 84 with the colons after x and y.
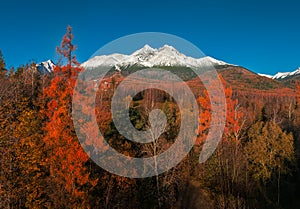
x: 44, y: 166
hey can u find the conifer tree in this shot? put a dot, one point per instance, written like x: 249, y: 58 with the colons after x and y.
x: 68, y: 175
x: 2, y: 62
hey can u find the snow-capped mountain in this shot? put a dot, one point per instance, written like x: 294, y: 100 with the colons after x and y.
x: 282, y: 75
x: 149, y: 57
x: 46, y: 66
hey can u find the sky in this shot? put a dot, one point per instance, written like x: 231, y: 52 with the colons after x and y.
x: 263, y: 36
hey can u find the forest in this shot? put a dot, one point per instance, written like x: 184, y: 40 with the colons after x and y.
x: 43, y: 165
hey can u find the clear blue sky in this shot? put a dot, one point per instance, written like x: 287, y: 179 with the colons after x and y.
x: 263, y: 36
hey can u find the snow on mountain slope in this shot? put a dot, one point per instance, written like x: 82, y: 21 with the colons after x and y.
x: 105, y: 60
x: 281, y: 75
x: 149, y: 57
x: 265, y: 75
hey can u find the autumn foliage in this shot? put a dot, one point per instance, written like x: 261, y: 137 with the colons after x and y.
x: 43, y: 164
x: 66, y: 158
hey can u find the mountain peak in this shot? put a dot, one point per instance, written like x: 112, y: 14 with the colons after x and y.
x: 46, y: 66
x: 147, y: 47
x: 144, y: 50
x: 167, y: 47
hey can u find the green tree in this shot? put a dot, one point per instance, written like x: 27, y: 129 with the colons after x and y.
x: 269, y: 152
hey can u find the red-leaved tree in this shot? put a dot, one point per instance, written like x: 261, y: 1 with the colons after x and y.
x: 69, y: 178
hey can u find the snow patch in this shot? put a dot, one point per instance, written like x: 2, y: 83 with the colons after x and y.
x: 265, y: 75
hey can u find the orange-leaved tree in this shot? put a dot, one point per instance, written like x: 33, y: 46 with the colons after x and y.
x: 204, y: 116
x: 224, y: 170
x: 69, y: 178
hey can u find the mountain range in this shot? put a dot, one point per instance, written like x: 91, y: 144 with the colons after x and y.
x: 167, y: 56
x: 149, y: 57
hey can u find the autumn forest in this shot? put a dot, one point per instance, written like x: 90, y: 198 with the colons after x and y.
x: 43, y: 165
